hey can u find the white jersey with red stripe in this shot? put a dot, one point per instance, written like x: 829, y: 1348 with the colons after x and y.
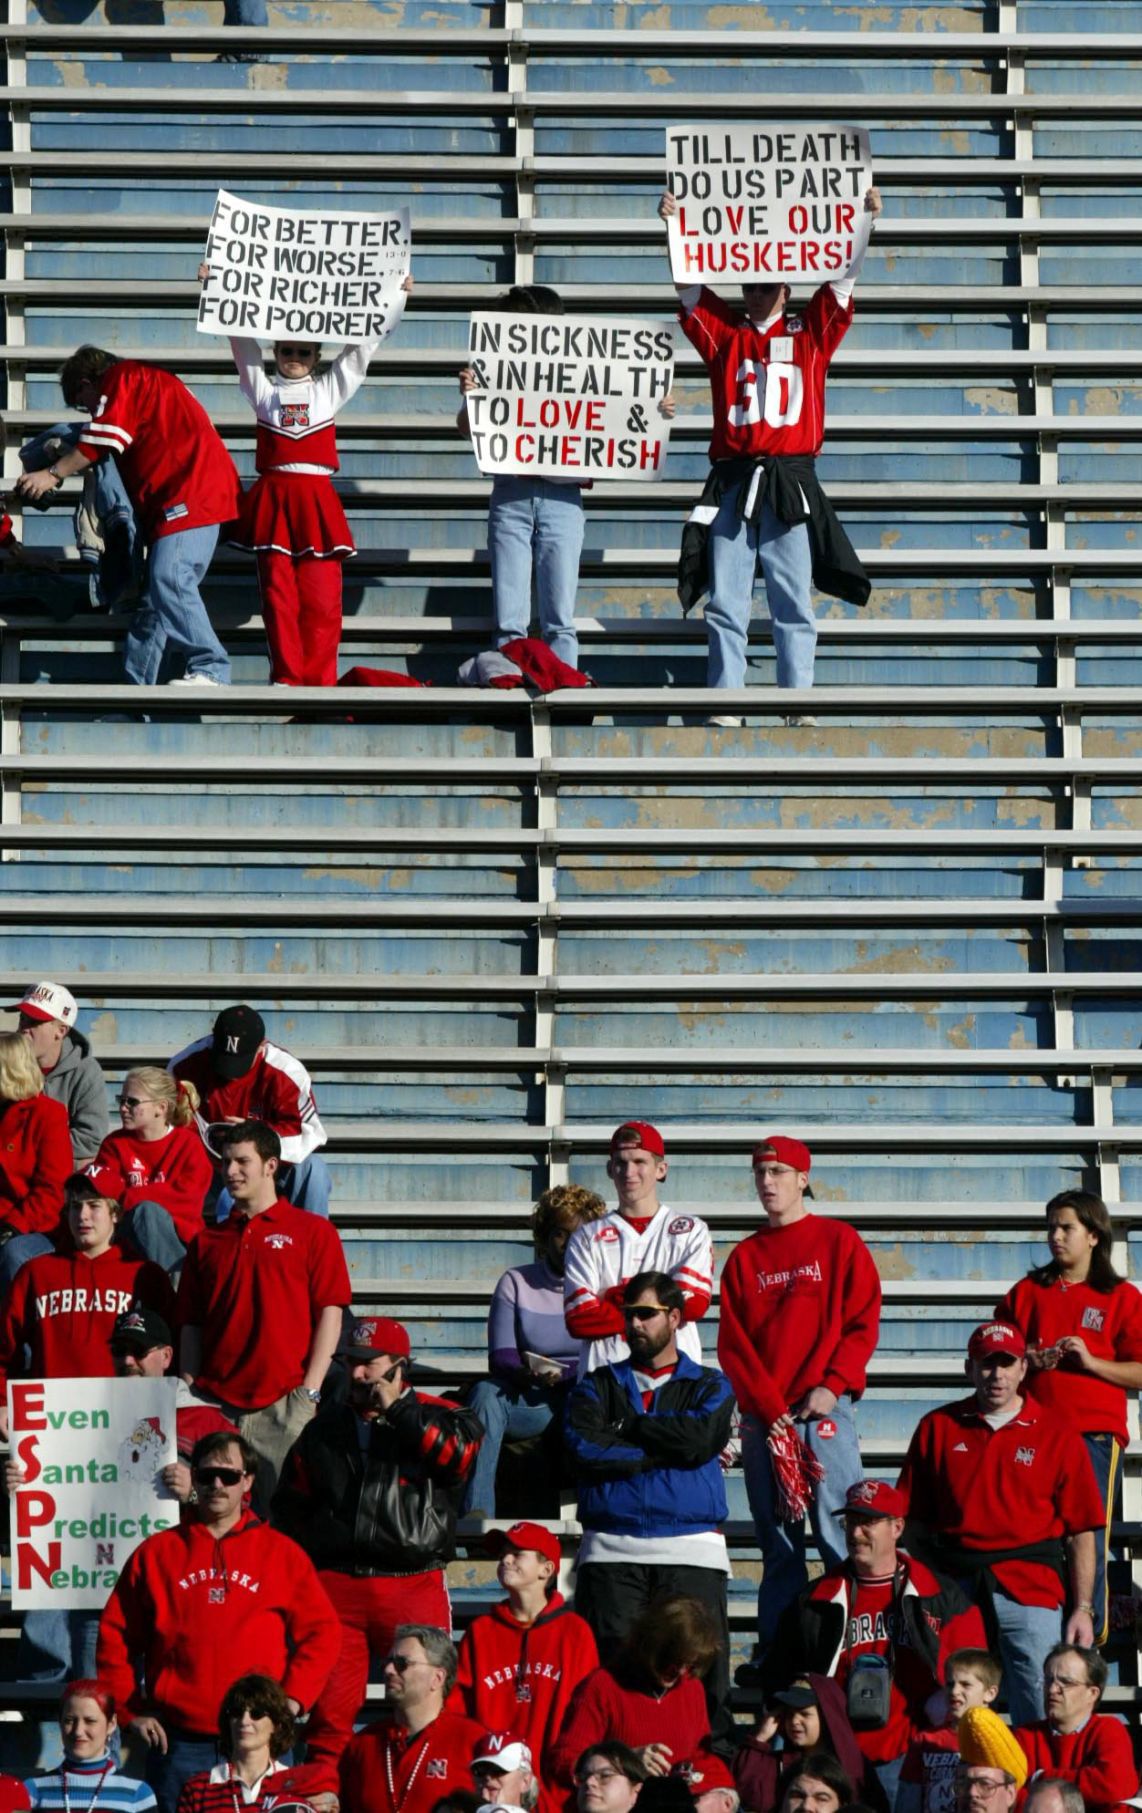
x: 767, y: 383
x: 605, y: 1253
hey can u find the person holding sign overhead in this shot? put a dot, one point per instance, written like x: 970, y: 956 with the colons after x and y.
x: 292, y: 518
x: 762, y: 502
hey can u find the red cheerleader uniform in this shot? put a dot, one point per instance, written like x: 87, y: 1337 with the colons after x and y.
x: 292, y: 517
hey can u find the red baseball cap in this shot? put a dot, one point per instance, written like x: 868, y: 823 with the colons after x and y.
x: 639, y: 1133
x: 379, y: 1335
x: 525, y: 1536
x: 874, y: 1498
x: 996, y: 1337
x: 784, y: 1151
x: 704, y: 1771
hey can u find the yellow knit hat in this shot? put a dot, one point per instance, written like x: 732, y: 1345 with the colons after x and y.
x: 985, y: 1740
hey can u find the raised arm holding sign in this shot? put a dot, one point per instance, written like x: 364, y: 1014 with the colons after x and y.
x: 762, y: 502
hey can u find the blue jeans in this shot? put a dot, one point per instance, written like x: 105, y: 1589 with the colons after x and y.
x: 888, y: 1775
x: 307, y: 1185
x: 169, y: 1774
x: 786, y: 565
x: 514, y: 1411
x: 150, y: 1229
x: 172, y: 611
x: 57, y: 1646
x: 1105, y: 1458
x: 783, y: 1544
x: 17, y: 1251
x: 531, y: 521
x: 1026, y: 1633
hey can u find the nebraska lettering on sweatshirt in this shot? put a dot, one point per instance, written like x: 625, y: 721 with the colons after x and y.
x: 62, y: 1307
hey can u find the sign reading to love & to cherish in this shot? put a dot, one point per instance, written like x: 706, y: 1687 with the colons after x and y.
x: 569, y: 396
x: 277, y: 271
x: 767, y: 204
x: 93, y: 1451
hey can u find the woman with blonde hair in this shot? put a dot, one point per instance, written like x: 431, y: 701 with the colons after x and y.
x: 156, y: 1165
x: 35, y: 1157
x: 531, y: 1357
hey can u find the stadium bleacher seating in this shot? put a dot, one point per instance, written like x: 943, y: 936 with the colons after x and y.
x: 492, y: 926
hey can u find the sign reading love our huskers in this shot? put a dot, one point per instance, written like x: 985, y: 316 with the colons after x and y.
x: 767, y: 204
x: 93, y: 1451
x: 569, y: 396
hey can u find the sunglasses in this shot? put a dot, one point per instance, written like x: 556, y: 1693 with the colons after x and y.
x: 218, y: 1476
x: 400, y: 1663
x: 133, y: 1101
x: 644, y: 1312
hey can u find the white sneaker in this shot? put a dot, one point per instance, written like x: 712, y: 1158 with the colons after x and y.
x: 196, y: 680
x: 803, y: 720
x: 726, y: 723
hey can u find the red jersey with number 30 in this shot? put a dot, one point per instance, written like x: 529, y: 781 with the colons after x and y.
x: 767, y: 388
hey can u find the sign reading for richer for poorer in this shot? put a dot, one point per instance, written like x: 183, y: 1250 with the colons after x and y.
x: 278, y: 272
x: 569, y: 396
x: 767, y: 204
x: 93, y: 1451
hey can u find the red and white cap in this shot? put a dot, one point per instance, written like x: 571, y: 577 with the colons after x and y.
x: 639, y: 1133
x: 379, y: 1335
x: 503, y: 1751
x: 525, y: 1536
x: 48, y: 1001
x: 996, y: 1337
x: 874, y: 1498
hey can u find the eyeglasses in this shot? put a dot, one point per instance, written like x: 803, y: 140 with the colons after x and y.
x: 602, y: 1776
x: 1063, y: 1681
x: 480, y: 1769
x: 643, y: 1312
x: 133, y: 1101
x: 975, y: 1784
x: 218, y: 1476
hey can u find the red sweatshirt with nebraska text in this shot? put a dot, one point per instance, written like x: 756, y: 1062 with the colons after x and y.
x: 174, y: 1171
x: 800, y: 1307
x: 198, y: 1611
x: 62, y: 1307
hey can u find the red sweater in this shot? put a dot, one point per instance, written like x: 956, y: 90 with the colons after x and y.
x: 1099, y: 1759
x: 63, y: 1307
x: 423, y: 1769
x: 521, y: 1677
x: 199, y: 1612
x: 1110, y: 1322
x: 800, y: 1307
x: 606, y: 1707
x: 174, y: 1171
x: 35, y: 1163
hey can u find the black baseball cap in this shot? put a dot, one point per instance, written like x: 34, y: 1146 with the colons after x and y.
x: 138, y: 1330
x: 238, y: 1031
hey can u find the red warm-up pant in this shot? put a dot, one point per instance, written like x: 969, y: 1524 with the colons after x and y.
x: 369, y: 1610
x: 301, y: 609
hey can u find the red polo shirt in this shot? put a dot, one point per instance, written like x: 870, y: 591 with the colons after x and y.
x: 1002, y: 1488
x: 256, y: 1286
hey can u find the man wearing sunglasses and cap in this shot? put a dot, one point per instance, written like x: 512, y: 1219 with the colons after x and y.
x: 646, y: 1434
x: 641, y: 1235
x: 371, y: 1491
x: 800, y: 1313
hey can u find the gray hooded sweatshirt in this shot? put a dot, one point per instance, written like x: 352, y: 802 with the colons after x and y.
x: 77, y: 1082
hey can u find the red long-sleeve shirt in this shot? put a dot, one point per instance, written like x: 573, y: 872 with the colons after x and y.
x: 522, y: 1677
x: 1099, y: 1759
x: 174, y: 1171
x: 606, y: 1707
x: 1110, y: 1322
x: 198, y: 1612
x: 63, y: 1307
x: 800, y: 1308
x: 35, y: 1163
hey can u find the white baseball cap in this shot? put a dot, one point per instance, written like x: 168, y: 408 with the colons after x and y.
x: 49, y: 1001
x: 506, y: 1753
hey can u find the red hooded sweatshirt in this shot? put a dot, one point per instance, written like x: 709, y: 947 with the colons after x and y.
x: 607, y: 1705
x: 521, y: 1677
x: 35, y: 1163
x: 1099, y: 1759
x: 63, y: 1306
x: 199, y: 1611
x: 174, y: 1171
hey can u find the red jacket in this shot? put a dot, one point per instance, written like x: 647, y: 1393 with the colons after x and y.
x: 63, y: 1307
x: 800, y: 1307
x: 35, y: 1163
x: 276, y: 1089
x: 425, y: 1768
x: 199, y: 1612
x: 521, y: 1677
x: 1099, y: 1759
x: 174, y: 1171
x: 608, y: 1706
x: 170, y: 456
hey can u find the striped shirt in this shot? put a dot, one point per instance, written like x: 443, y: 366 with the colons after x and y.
x: 87, y: 1785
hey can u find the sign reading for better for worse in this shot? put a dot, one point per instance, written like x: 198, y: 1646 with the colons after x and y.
x: 93, y: 1451
x: 277, y: 271
x: 767, y: 204
x: 571, y: 396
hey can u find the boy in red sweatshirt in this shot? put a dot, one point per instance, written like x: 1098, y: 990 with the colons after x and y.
x: 521, y: 1662
x: 1075, y: 1742
x: 800, y: 1313
x: 928, y: 1779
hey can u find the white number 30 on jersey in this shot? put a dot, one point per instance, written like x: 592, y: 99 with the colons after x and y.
x: 775, y: 390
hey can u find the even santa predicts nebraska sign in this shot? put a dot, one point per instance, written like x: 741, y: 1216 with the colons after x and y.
x: 93, y: 1451
x: 569, y: 396
x: 767, y: 204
